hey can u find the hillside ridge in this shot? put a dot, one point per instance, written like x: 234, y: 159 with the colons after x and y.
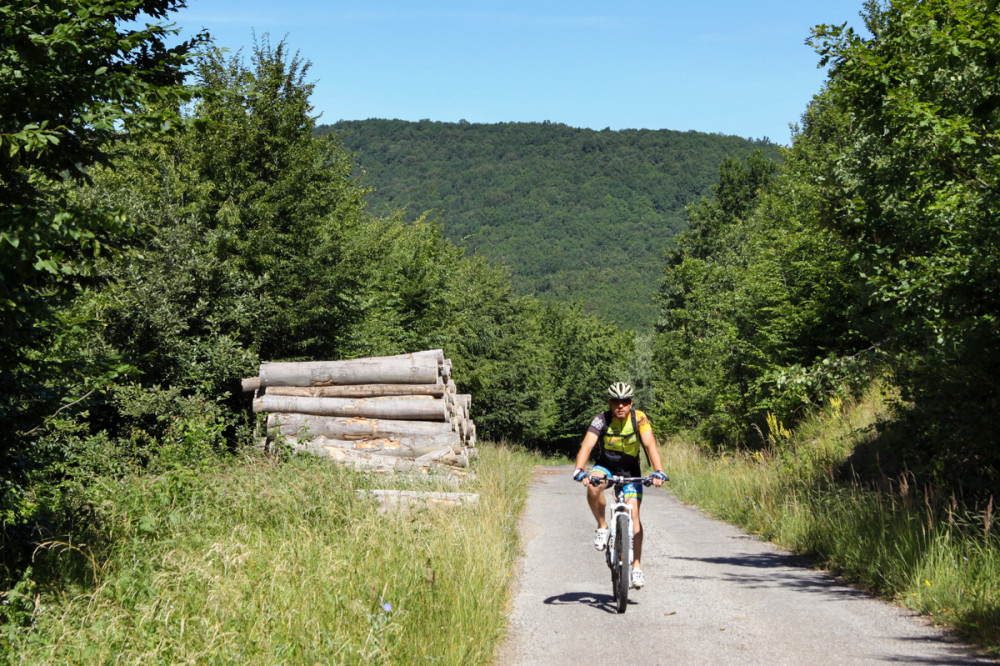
x: 574, y: 213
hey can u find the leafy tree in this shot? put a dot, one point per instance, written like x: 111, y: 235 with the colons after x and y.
x: 75, y: 82
x: 709, y: 350
x: 244, y: 255
x: 248, y: 264
x: 251, y: 241
x: 283, y: 202
x: 921, y: 175
x: 405, y: 273
x: 500, y: 357
x: 587, y: 355
x: 757, y: 296
x: 732, y: 199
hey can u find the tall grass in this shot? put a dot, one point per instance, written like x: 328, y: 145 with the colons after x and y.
x: 269, y: 562
x: 910, y: 546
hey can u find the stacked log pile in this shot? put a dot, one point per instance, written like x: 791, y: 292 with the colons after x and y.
x: 385, y: 414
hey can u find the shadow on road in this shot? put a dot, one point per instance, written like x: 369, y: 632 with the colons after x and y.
x: 604, y: 602
x: 799, y: 573
x: 758, y: 561
x: 958, y: 654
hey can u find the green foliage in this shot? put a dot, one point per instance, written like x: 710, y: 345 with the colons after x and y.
x: 732, y: 199
x: 709, y: 357
x: 576, y: 214
x: 921, y: 180
x: 872, y: 249
x: 588, y: 354
x: 756, y: 298
x: 264, y: 250
x: 500, y: 355
x: 537, y: 372
x: 282, y: 203
x: 250, y: 240
x: 253, y: 242
x: 75, y: 81
x: 237, y: 256
x: 404, y: 273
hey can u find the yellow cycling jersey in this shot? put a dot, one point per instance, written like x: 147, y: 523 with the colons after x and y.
x: 619, y: 437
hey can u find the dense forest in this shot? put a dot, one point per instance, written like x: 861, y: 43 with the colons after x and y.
x: 574, y: 213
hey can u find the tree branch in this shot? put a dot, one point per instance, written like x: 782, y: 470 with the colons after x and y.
x: 56, y: 413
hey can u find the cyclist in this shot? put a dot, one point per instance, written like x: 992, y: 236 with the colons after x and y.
x: 617, y: 435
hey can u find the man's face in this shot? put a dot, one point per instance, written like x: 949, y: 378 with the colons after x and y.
x: 620, y: 408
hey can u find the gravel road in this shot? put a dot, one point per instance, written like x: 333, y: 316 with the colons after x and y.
x: 713, y: 595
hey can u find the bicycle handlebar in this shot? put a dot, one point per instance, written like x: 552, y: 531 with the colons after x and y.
x: 621, y: 480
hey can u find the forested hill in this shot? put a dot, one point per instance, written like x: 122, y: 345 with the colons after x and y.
x: 573, y: 212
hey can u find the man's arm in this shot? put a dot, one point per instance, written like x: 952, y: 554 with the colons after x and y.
x: 586, y: 447
x: 654, y: 453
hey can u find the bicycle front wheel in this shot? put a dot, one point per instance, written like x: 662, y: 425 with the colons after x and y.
x: 622, y: 562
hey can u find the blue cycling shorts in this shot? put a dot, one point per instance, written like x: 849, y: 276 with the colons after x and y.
x: 632, y: 490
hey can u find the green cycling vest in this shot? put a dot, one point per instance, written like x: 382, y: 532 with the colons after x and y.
x: 619, y: 444
x: 621, y: 437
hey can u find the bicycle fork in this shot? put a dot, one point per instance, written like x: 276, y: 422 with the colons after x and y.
x: 624, y: 511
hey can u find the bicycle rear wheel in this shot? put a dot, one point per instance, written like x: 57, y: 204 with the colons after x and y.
x: 622, y: 562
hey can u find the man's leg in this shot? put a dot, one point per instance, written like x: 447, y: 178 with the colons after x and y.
x: 595, y: 498
x: 638, y: 577
x: 636, y: 533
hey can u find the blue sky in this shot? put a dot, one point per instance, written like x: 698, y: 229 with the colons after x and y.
x: 723, y: 66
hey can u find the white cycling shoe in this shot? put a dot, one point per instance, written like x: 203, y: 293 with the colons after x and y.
x: 638, y: 578
x: 601, y: 538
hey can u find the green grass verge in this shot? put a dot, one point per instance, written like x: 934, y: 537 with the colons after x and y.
x: 899, y: 543
x: 266, y: 562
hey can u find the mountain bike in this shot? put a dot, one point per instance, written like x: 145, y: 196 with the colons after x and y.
x: 619, y: 552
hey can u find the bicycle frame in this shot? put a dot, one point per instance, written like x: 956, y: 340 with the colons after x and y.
x: 620, y: 551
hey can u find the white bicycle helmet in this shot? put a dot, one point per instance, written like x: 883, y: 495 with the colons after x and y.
x: 620, y: 391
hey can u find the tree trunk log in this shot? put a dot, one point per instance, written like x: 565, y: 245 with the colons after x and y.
x: 397, y: 447
x: 295, y: 425
x: 360, y: 390
x: 436, y: 354
x: 368, y: 462
x: 419, y: 370
x: 370, y: 409
x: 446, y: 454
x: 379, y: 464
x: 403, y: 408
x: 404, y: 499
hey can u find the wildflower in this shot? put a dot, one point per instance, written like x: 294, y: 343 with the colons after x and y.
x: 387, y: 607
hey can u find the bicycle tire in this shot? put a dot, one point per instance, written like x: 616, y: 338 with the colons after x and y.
x: 622, y: 561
